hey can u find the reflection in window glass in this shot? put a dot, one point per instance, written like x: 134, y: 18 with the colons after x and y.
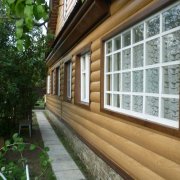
x: 116, y: 82
x: 138, y: 33
x: 171, y: 18
x: 138, y: 56
x: 152, y: 80
x: 171, y: 79
x: 117, y: 61
x: 171, y: 109
x: 109, y: 47
x: 126, y: 82
x: 126, y: 60
x: 108, y: 82
x: 138, y: 81
x: 137, y: 104
x: 117, y: 43
x: 153, y: 26
x: 126, y: 102
x: 152, y: 54
x: 109, y: 64
x: 116, y: 100
x: 152, y: 106
x: 109, y: 99
x: 171, y: 44
x: 126, y: 39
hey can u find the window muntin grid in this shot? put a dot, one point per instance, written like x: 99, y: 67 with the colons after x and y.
x: 145, y: 60
x: 85, y: 63
x: 69, y: 69
x: 59, y: 81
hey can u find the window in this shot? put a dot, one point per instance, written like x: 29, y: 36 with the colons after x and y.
x: 82, y: 77
x: 142, y: 69
x: 68, y: 7
x: 53, y: 82
x: 58, y: 80
x: 68, y: 69
x: 48, y: 84
x: 85, y: 62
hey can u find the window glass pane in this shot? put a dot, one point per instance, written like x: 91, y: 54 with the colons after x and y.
x: 152, y: 80
x: 83, y: 62
x: 171, y: 47
x: 109, y: 82
x: 69, y: 79
x: 126, y: 61
x: 127, y: 39
x: 138, y: 56
x: 171, y: 109
x: 117, y: 62
x: 116, y: 82
x: 138, y: 103
x: 108, y: 63
x: 152, y: 106
x: 116, y: 100
x: 171, y: 18
x: 117, y: 43
x: 138, y: 81
x: 108, y: 99
x: 59, y: 81
x: 152, y: 52
x: 153, y: 26
x: 126, y: 82
x: 84, y: 86
x: 138, y: 33
x: 126, y: 102
x: 171, y: 79
x: 108, y: 47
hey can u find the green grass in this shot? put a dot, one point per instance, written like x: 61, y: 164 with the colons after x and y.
x: 39, y: 104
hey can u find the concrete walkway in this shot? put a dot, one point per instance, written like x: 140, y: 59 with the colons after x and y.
x: 62, y: 164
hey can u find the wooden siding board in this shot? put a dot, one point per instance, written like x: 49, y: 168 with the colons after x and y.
x: 135, y: 169
x: 160, y: 151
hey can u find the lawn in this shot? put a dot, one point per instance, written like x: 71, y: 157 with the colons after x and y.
x: 40, y: 104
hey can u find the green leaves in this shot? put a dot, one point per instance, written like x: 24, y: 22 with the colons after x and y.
x: 19, y: 44
x: 11, y: 1
x: 15, y: 136
x: 32, y: 147
x: 19, y: 23
x: 19, y: 32
x: 29, y: 2
x: 28, y: 14
x: 41, y: 10
x: 28, y: 11
x: 19, y: 8
x: 7, y: 143
x: 40, y: 1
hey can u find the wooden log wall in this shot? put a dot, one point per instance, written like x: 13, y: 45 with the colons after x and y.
x: 142, y: 152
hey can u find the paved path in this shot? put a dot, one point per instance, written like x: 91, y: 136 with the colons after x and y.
x: 62, y: 164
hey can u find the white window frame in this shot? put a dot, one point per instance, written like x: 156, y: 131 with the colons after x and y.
x: 53, y: 82
x: 143, y: 116
x: 68, y: 6
x: 59, y: 82
x: 48, y: 84
x: 68, y: 78
x: 85, y: 61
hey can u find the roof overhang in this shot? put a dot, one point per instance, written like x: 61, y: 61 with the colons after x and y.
x: 84, y: 17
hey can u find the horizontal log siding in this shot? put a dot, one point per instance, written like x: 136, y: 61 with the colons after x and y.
x: 142, y: 152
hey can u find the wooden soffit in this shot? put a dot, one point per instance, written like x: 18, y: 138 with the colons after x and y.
x: 82, y: 20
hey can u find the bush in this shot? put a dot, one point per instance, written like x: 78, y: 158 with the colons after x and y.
x: 15, y: 169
